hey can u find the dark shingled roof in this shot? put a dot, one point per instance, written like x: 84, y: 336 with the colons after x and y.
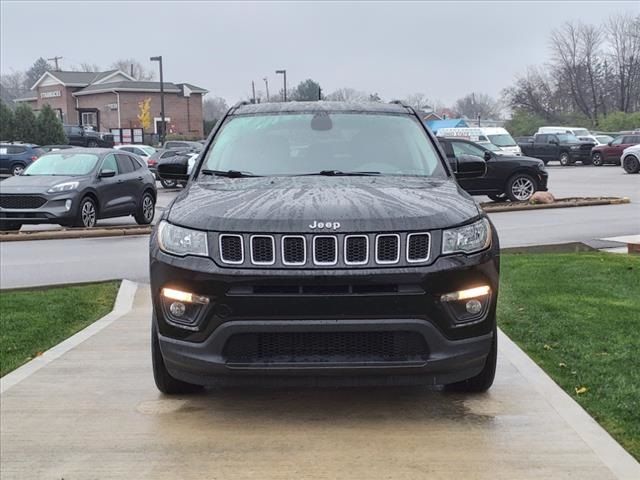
x: 371, y: 107
x: 168, y: 87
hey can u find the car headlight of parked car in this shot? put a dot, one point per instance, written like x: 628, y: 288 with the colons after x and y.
x: 542, y: 166
x: 182, y: 241
x: 467, y: 239
x: 63, y: 187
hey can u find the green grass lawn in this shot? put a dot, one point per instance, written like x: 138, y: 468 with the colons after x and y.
x: 31, y: 321
x: 578, y: 317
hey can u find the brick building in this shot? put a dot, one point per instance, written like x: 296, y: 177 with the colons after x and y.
x: 110, y: 100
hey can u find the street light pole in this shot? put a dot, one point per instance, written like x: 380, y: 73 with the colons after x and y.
x: 284, y: 74
x: 163, y: 129
x: 266, y: 85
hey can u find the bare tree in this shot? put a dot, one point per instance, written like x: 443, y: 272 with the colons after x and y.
x: 418, y: 100
x: 478, y: 104
x: 348, y: 95
x: 12, y: 85
x: 134, y: 68
x: 577, y: 55
x: 624, y: 55
x: 214, y: 108
x: 86, y: 67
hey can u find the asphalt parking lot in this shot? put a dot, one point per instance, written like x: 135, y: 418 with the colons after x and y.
x: 111, y: 422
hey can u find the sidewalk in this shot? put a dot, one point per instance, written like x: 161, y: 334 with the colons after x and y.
x: 94, y: 413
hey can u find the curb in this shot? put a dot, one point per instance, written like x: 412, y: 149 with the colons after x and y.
x: 76, y: 233
x: 575, y: 202
x: 569, y: 247
x: 617, y: 459
x: 122, y: 306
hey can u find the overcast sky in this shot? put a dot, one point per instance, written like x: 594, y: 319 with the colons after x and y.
x: 443, y: 50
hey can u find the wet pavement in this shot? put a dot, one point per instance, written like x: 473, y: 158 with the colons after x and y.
x: 94, y: 413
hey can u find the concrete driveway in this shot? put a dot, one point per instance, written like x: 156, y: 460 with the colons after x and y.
x: 94, y: 413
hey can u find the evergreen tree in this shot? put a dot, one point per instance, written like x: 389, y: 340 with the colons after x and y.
x: 6, y: 123
x: 49, y: 129
x: 24, y: 125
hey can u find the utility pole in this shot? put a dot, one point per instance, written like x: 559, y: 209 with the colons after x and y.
x: 163, y: 130
x: 284, y: 73
x: 319, y: 93
x: 266, y: 85
x: 253, y: 89
x: 55, y: 59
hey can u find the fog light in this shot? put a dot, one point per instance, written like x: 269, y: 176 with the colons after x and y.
x: 184, y: 296
x: 466, y: 294
x: 67, y: 205
x: 473, y: 307
x: 177, y: 309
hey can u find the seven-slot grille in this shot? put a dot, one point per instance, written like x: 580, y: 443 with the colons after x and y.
x: 324, y: 250
x: 21, y: 201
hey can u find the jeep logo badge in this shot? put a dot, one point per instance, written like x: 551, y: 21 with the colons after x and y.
x: 325, y: 225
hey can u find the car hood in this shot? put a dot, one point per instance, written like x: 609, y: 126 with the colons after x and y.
x: 34, y: 184
x: 291, y: 204
x: 517, y: 158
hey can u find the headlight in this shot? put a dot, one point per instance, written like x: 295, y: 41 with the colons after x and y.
x: 182, y: 241
x: 467, y: 239
x: 542, y: 166
x: 575, y: 147
x: 63, y: 187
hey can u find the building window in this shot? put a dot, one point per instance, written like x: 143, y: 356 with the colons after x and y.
x: 89, y: 118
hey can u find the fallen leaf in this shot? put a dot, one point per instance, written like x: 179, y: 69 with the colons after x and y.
x: 547, y: 347
x: 38, y: 354
x: 562, y: 365
x: 581, y: 390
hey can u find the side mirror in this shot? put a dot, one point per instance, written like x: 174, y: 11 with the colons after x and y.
x: 470, y: 166
x: 175, y: 167
x: 487, y: 155
x: 107, y: 174
x: 610, y: 143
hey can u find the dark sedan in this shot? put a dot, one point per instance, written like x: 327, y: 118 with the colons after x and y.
x: 76, y: 187
x: 507, y: 177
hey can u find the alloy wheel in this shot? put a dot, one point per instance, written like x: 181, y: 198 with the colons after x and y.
x: 522, y: 188
x: 17, y: 170
x: 564, y: 159
x: 88, y: 214
x: 597, y: 159
x: 148, y: 208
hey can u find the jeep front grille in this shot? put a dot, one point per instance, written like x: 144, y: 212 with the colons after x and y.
x: 323, y: 250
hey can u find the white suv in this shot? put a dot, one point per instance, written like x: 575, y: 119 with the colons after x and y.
x: 631, y: 159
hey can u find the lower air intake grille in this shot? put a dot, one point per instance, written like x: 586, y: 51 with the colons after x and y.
x: 21, y: 201
x: 231, y: 248
x: 304, y: 347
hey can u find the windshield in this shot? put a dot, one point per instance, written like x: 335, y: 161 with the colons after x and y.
x: 147, y: 149
x: 604, y: 138
x: 567, y: 138
x: 67, y: 164
x: 490, y: 146
x: 305, y: 143
x: 502, y: 140
x: 581, y: 132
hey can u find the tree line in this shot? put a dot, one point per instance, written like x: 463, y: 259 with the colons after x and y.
x: 591, y: 80
x: 23, y: 125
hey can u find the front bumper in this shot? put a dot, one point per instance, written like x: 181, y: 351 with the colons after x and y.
x: 246, y: 301
x: 580, y: 155
x: 54, y: 210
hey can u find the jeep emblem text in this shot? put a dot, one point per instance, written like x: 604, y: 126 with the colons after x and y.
x: 327, y: 225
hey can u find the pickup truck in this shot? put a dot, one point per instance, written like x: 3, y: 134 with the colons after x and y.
x: 82, y: 137
x: 563, y: 147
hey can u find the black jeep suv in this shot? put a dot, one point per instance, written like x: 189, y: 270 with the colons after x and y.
x: 323, y: 243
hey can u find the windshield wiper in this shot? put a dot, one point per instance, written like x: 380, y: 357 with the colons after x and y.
x: 340, y: 173
x: 228, y: 173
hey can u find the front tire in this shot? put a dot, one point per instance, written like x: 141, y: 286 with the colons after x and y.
x: 483, y: 381
x: 87, y: 214
x: 163, y: 379
x: 565, y: 159
x: 146, y: 210
x: 17, y: 169
x: 92, y: 144
x: 168, y: 183
x: 597, y: 160
x: 502, y: 197
x: 631, y: 164
x: 521, y: 187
